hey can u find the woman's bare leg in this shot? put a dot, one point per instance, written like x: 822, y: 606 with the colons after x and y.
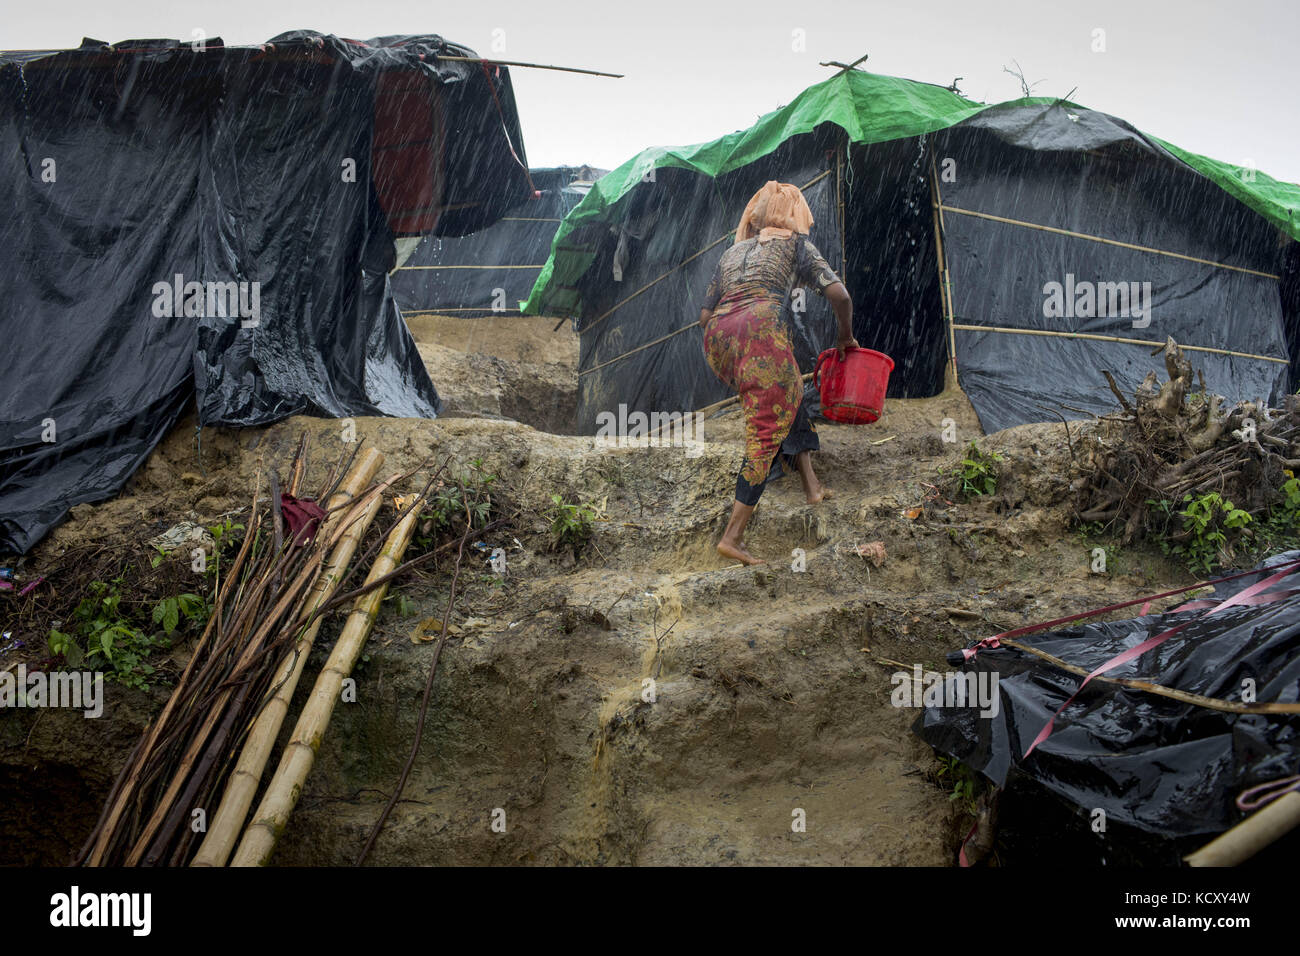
x: 813, y: 489
x: 731, y: 545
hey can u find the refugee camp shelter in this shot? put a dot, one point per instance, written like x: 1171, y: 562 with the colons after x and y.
x: 1030, y: 244
x: 492, y: 270
x: 201, y: 223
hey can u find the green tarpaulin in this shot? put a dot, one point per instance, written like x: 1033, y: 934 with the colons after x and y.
x: 870, y: 108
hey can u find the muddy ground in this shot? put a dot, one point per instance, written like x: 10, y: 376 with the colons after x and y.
x: 649, y: 702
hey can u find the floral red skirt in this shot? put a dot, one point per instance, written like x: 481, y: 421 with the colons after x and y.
x: 747, y: 346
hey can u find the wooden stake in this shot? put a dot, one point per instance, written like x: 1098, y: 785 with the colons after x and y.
x: 229, y: 819
x: 945, y: 281
x: 282, y: 793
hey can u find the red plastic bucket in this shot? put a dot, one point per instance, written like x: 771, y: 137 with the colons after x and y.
x: 853, y: 391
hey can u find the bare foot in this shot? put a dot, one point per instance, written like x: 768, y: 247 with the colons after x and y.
x: 822, y: 493
x: 737, y: 553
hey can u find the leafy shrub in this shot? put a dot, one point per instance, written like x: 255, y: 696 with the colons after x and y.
x: 977, y: 473
x: 571, y: 525
x: 449, y: 504
x: 101, y: 633
x: 1207, y: 521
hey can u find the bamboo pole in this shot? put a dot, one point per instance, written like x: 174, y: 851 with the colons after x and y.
x: 195, y: 753
x: 1102, y: 239
x: 839, y: 200
x: 282, y: 792
x: 695, y: 255
x: 945, y: 280
x: 229, y: 819
x: 718, y: 406
x: 1251, y: 835
x: 1173, y: 693
x: 1114, y: 338
x: 531, y: 66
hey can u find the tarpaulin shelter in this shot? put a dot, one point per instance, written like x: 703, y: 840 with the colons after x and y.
x: 195, y: 221
x: 1164, y: 770
x: 1004, y: 239
x: 492, y: 270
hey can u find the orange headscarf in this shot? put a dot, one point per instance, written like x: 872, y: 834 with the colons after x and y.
x: 778, y: 209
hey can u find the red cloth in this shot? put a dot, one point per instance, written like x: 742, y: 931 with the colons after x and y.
x: 303, y: 517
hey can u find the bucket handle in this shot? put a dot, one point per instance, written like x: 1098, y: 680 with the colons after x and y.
x: 822, y: 360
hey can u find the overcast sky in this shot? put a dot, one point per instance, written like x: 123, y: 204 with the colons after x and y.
x: 1215, y: 77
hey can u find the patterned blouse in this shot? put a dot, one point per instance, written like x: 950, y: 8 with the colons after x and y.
x: 757, y: 273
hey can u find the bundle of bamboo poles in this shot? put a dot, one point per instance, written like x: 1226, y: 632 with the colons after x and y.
x: 244, y: 667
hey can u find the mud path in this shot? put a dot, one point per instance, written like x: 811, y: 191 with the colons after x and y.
x: 650, y: 703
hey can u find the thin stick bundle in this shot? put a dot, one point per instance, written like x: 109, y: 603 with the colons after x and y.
x: 152, y: 813
x: 215, y: 735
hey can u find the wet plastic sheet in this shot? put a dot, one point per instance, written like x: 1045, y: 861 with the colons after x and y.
x: 1162, y: 766
x: 1035, y: 192
x: 492, y: 270
x: 126, y: 167
x: 1093, y: 175
x: 648, y: 354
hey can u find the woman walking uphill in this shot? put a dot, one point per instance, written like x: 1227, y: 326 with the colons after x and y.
x: 747, y: 344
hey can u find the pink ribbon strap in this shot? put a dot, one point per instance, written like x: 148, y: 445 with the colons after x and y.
x: 1248, y: 596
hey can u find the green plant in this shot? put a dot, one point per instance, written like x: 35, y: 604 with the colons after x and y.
x: 1090, y: 529
x: 467, y: 497
x: 168, y: 611
x: 1291, y: 498
x: 405, y: 606
x: 571, y: 524
x: 964, y: 782
x: 1207, y: 521
x: 99, y: 628
x: 222, y: 534
x: 1280, y: 530
x: 977, y: 473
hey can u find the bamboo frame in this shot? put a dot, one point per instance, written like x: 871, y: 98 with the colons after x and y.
x: 282, y: 792
x: 1116, y: 338
x: 1110, y: 242
x: 719, y: 405
x: 514, y: 311
x: 839, y: 201
x: 723, y: 238
x: 639, y: 348
x: 241, y: 787
x: 414, y: 268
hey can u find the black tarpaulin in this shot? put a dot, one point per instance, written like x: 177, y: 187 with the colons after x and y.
x: 215, y: 223
x: 1025, y: 196
x: 649, y: 354
x: 1199, y: 266
x: 1158, y: 765
x: 492, y: 270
